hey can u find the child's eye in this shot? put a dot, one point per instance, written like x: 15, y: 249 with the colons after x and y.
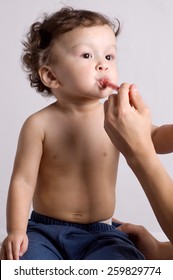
x: 109, y: 57
x: 86, y: 55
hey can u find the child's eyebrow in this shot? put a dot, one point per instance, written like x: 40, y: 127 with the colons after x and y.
x: 88, y: 44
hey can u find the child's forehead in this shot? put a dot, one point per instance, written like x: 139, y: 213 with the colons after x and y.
x: 101, y: 34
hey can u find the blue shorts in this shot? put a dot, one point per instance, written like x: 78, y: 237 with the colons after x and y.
x: 51, y: 239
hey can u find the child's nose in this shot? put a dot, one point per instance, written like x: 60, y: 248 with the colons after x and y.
x: 101, y: 67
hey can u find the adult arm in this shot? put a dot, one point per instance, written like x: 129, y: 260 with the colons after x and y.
x: 128, y: 124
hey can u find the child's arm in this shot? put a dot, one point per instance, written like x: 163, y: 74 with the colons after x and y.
x: 22, y: 187
x: 163, y: 138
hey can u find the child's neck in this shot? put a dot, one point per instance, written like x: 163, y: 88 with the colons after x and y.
x: 78, y: 107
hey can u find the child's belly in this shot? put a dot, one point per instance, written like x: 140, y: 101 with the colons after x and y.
x: 76, y: 205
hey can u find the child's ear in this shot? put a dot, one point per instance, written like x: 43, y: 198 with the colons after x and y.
x: 48, y: 77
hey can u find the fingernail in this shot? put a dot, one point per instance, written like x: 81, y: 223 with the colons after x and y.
x: 134, y: 87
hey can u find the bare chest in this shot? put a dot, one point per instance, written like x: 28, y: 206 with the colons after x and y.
x: 78, y: 142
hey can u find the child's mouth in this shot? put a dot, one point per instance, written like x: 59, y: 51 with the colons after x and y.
x: 106, y: 83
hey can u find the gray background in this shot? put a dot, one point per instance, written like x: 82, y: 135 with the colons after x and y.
x: 145, y: 57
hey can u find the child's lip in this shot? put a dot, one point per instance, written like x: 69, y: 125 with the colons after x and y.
x: 104, y: 82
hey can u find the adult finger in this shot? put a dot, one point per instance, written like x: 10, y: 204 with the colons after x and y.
x: 132, y: 229
x: 123, y: 95
x: 136, y: 99
x: 112, y: 102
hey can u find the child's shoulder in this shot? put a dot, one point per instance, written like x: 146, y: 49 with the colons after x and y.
x: 38, y: 119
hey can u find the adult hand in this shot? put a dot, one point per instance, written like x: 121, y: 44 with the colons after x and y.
x: 128, y: 121
x: 151, y: 248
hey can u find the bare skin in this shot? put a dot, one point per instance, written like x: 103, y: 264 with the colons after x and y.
x: 128, y: 123
x: 67, y: 189
x: 150, y: 247
x: 65, y: 162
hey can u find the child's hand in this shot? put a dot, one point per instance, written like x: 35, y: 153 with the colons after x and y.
x: 14, y: 245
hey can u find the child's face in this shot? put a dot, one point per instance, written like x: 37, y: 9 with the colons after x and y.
x: 82, y: 57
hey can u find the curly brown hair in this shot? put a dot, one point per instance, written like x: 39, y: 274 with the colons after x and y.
x: 41, y: 36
